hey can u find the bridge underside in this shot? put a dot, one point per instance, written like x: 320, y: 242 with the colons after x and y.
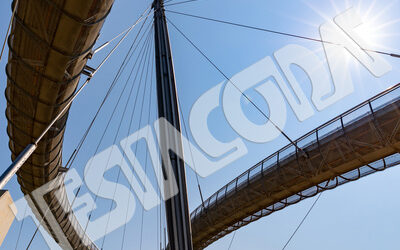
x: 360, y: 142
x: 49, y: 45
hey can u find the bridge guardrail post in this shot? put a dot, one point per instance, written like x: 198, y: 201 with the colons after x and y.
x: 262, y: 168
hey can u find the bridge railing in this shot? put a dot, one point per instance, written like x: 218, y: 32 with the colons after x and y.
x: 338, y: 123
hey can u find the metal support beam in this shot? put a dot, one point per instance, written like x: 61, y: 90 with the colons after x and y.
x: 177, y: 211
x: 28, y: 151
x: 17, y: 164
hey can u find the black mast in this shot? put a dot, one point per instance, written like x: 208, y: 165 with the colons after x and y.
x: 177, y: 211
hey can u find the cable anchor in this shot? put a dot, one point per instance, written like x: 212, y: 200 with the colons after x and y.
x: 88, y: 71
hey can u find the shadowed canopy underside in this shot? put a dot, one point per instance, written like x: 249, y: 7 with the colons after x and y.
x: 49, y: 44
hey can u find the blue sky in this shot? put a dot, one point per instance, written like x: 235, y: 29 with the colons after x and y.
x: 359, y: 215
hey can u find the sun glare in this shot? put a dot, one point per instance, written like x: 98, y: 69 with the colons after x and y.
x: 379, y: 24
x: 369, y: 32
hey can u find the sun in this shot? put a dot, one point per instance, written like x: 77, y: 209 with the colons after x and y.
x: 369, y: 32
x: 378, y: 23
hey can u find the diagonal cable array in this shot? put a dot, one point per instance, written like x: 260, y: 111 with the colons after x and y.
x: 141, y: 65
x: 143, y: 49
x: 253, y: 103
x: 74, y: 154
x: 146, y: 62
x: 143, y: 60
x: 148, y: 122
x: 119, y: 98
x: 220, y: 71
x: 231, y: 82
x: 276, y: 32
x: 127, y: 58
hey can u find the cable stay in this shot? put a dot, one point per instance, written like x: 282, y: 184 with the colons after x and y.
x: 20, y: 228
x: 148, y: 122
x: 9, y: 28
x: 115, y: 138
x: 302, y: 221
x: 191, y: 153
x: 177, y: 3
x: 130, y: 123
x: 147, y: 61
x: 138, y: 90
x: 126, y: 60
x: 278, y: 32
x: 123, y: 66
x: 98, y: 49
x: 242, y: 93
x: 145, y: 47
x: 233, y: 237
x: 74, y: 154
x: 295, y: 231
x: 27, y: 152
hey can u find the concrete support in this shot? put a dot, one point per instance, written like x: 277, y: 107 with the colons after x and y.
x: 7, y: 213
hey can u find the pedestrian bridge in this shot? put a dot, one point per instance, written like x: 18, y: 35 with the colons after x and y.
x: 48, y: 53
x: 359, y: 142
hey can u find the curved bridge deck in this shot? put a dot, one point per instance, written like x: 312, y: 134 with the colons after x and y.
x: 364, y: 140
x: 49, y: 45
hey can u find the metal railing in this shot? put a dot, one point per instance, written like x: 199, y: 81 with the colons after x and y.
x: 351, y: 116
